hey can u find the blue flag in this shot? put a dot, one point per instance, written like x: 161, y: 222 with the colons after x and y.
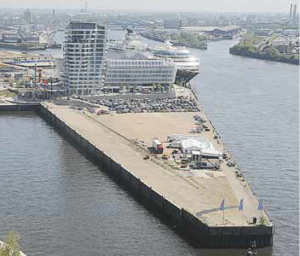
x: 241, y: 207
x: 222, y: 206
x: 260, y: 205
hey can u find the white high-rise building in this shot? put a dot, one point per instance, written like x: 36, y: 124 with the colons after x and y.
x: 84, y: 55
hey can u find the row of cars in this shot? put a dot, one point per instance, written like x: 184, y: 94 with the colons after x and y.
x: 148, y: 105
x: 200, y: 125
x: 154, y: 105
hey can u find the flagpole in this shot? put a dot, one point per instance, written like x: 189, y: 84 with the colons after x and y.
x: 241, y: 209
x: 222, y: 207
x: 260, y: 208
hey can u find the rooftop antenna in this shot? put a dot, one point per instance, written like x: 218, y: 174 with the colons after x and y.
x: 86, y: 6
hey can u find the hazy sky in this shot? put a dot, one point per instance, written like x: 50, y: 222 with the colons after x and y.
x: 163, y: 5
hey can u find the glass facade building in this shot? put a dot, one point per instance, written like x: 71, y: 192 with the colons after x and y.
x: 143, y: 72
x: 84, y: 55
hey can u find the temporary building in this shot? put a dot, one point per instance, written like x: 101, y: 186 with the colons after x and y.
x: 176, y: 139
x: 210, y: 152
x: 189, y: 145
x: 180, y: 137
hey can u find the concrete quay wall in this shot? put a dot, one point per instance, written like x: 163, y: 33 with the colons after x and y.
x: 20, y: 107
x: 201, y: 233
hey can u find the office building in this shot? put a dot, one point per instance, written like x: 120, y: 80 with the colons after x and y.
x: 138, y: 73
x: 28, y: 16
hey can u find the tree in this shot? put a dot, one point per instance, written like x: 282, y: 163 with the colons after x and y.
x: 11, y: 247
x: 273, y: 53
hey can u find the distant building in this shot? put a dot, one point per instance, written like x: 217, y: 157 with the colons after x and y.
x: 291, y: 32
x: 228, y: 31
x: 263, y: 32
x: 31, y: 38
x: 173, y: 24
x: 291, y: 11
x: 216, y: 31
x: 281, y: 44
x: 28, y: 16
x: 294, y: 12
x: 17, y: 37
x: 84, y: 54
x: 293, y: 15
x: 11, y: 37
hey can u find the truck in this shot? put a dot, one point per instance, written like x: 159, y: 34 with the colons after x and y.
x: 157, y: 146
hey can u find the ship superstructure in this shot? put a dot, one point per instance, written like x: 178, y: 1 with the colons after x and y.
x: 130, y: 43
x: 187, y: 65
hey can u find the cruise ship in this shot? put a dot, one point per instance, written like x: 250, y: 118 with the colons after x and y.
x: 187, y: 65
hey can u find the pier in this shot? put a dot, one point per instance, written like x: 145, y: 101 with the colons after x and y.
x: 191, y: 200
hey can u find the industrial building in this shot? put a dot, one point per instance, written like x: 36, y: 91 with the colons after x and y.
x: 293, y: 11
x: 84, y: 55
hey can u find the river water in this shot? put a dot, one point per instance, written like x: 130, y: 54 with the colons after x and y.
x: 63, y: 204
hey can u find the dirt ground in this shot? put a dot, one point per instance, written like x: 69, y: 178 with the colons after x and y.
x: 146, y: 126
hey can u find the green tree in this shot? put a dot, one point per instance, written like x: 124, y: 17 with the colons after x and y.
x: 273, y: 52
x: 11, y: 247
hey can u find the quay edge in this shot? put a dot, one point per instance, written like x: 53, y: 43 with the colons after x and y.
x: 20, y: 107
x: 205, y: 235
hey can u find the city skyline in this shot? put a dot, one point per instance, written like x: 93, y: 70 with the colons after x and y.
x: 156, y: 5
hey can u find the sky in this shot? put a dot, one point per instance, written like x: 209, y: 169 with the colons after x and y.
x: 159, y: 5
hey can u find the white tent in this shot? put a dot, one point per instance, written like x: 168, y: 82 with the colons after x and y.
x: 205, y: 148
x: 210, y: 151
x: 189, y: 145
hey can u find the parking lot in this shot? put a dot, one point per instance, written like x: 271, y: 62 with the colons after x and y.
x: 148, y: 105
